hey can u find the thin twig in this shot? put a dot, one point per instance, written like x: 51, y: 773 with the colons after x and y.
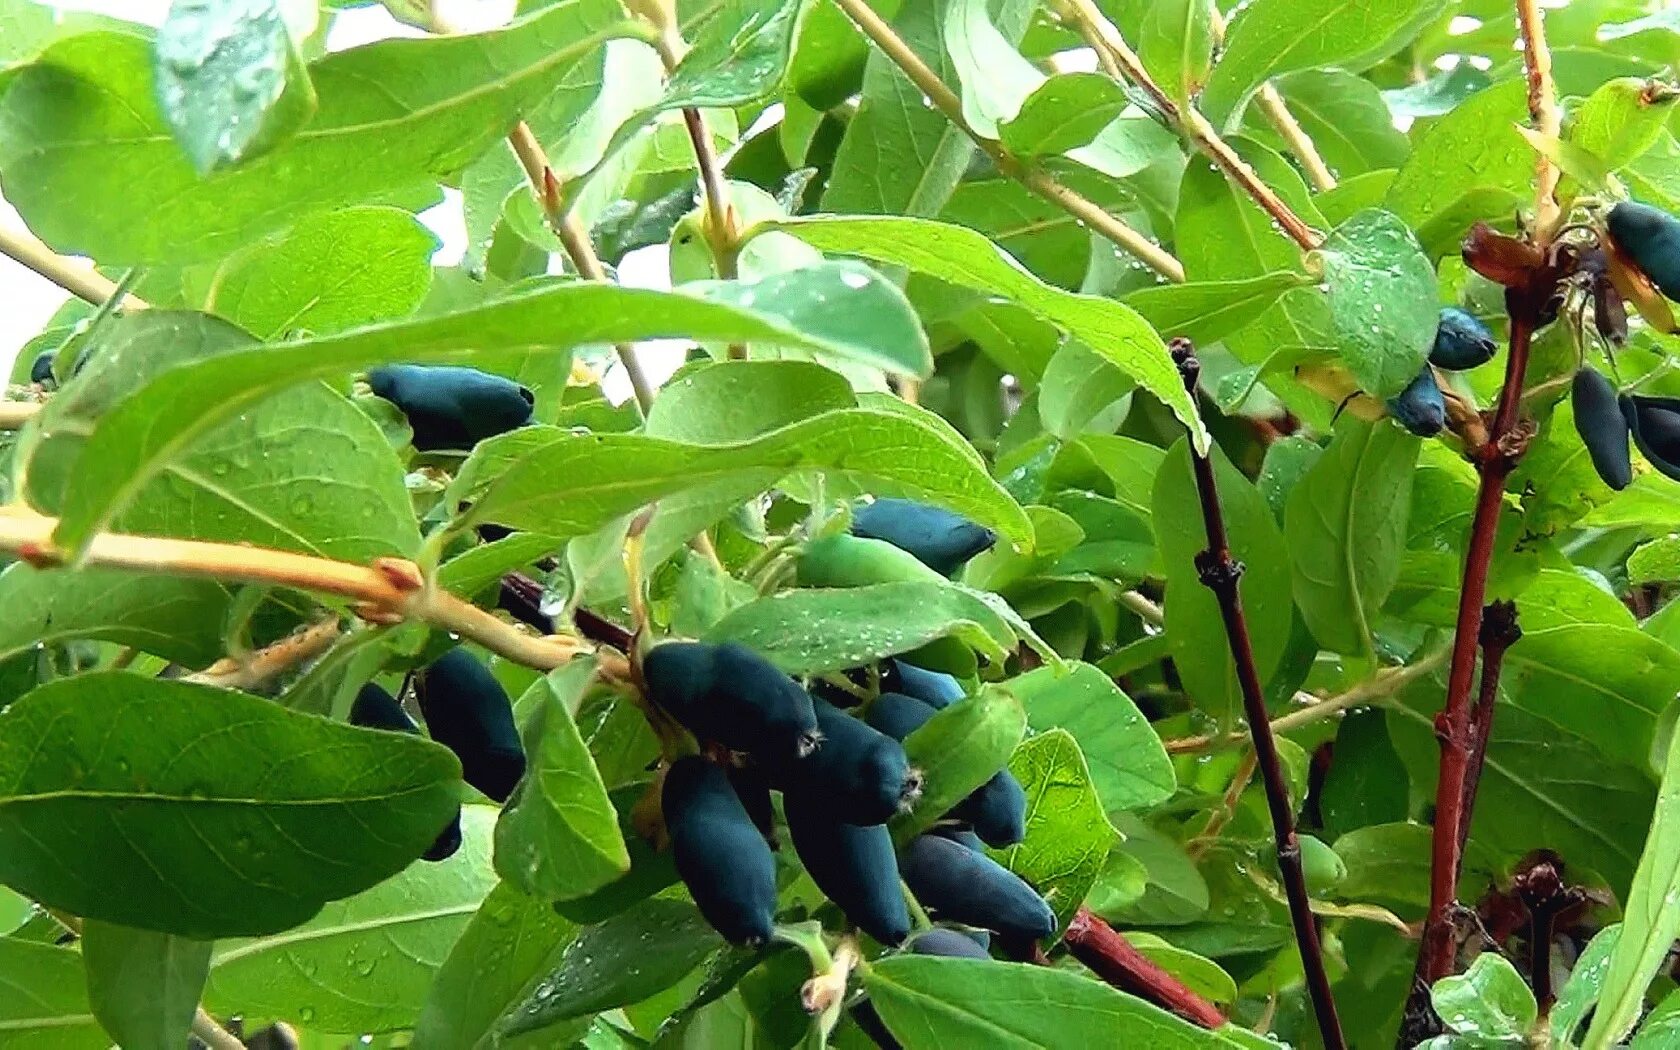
x: 1104, y: 38
x: 266, y: 664
x: 1271, y: 103
x: 14, y: 414
x: 387, y: 591
x: 1111, y: 957
x: 893, y: 46
x: 212, y: 1034
x: 1543, y: 111
x: 1220, y: 573
x: 80, y: 279
x: 1147, y: 611
x: 1499, y: 631
x: 1220, y: 817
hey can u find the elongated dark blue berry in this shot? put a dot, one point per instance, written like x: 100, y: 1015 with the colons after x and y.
x: 1655, y: 422
x: 722, y: 858
x: 854, y: 866
x: 377, y: 709
x: 939, y: 539
x: 732, y: 695
x: 960, y: 885
x: 1603, y: 428
x: 997, y: 809
x: 1420, y: 408
x: 449, y: 407
x: 948, y: 943
x: 40, y: 370
x: 1461, y: 341
x: 1651, y: 238
x: 930, y: 687
x: 861, y: 774
x: 468, y: 711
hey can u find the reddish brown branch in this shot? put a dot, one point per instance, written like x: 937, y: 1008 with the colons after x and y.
x: 521, y: 598
x: 1220, y: 573
x: 1498, y: 633
x: 1110, y: 956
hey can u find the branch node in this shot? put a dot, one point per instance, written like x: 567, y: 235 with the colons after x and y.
x: 1499, y: 626
x: 1219, y: 572
x: 40, y: 555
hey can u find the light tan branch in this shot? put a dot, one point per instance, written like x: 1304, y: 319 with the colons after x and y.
x: 388, y: 591
x: 263, y: 666
x: 14, y: 414
x: 77, y: 278
x: 1271, y: 104
x: 212, y: 1034
x: 1543, y: 111
x: 1038, y: 181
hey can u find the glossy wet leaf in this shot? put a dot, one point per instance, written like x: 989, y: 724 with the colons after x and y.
x: 204, y: 812
x: 1068, y: 836
x: 230, y: 82
x: 957, y: 750
x: 1490, y: 999
x: 1128, y: 767
x: 46, y: 1000
x: 144, y: 986
x: 1063, y: 113
x: 1383, y: 300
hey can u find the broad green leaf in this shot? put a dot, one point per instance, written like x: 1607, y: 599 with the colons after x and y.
x: 510, y: 942
x: 1079, y: 391
x: 1383, y: 300
x: 966, y: 259
x: 567, y: 484
x: 175, y: 617
x: 1204, y: 312
x: 1579, y: 994
x: 811, y: 630
x: 1345, y: 117
x: 1471, y: 164
x: 1175, y: 892
x: 929, y: 1002
x: 1068, y: 837
x: 1368, y: 786
x: 44, y: 999
x: 651, y: 869
x: 1063, y: 113
x: 469, y: 573
x: 727, y: 401
x: 1661, y: 1027
x: 558, y: 837
x: 26, y: 27
x: 230, y: 82
x: 995, y: 78
x: 1175, y: 44
x: 1650, y: 501
x: 1200, y: 648
x: 1390, y: 863
x: 81, y: 124
x: 331, y: 271
x: 1201, y: 975
x: 1270, y: 37
x: 853, y: 310
x: 1490, y: 999
x: 144, y: 986
x: 624, y: 960
x: 1129, y: 769
x: 150, y: 426
x: 1655, y: 562
x: 1622, y: 119
x: 204, y: 812
x: 1346, y: 527
x: 829, y: 56
x: 958, y: 750
x: 1650, y: 918
x: 362, y: 964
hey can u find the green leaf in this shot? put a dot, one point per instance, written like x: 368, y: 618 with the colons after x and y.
x: 1175, y: 892
x: 1390, y: 863
x: 611, y: 964
x: 1205, y: 312
x: 1490, y: 999
x: 1383, y: 300
x: 362, y: 964
x: 964, y: 258
x: 175, y: 617
x: 567, y: 484
x: 1270, y: 37
x: 144, y: 986
x: 1622, y: 119
x: 1063, y: 113
x: 812, y: 630
x: 330, y: 272
x: 1202, y: 975
x: 81, y: 124
x: 1175, y: 44
x: 728, y: 401
x: 510, y: 942
x: 1346, y: 527
x: 995, y: 78
x: 470, y: 572
x: 1651, y: 917
x: 959, y: 749
x: 45, y: 1000
x: 1129, y: 769
x: 558, y: 837
x: 230, y: 83
x: 929, y: 1002
x: 1655, y: 562
x: 1345, y: 117
x: 1068, y: 837
x: 855, y: 312
x: 1579, y: 994
x: 1193, y: 622
x: 1471, y: 164
x: 153, y: 422
x: 204, y: 812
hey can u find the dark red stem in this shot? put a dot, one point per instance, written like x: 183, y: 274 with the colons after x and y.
x: 521, y: 598
x: 1220, y: 573
x: 1498, y: 633
x: 1110, y: 956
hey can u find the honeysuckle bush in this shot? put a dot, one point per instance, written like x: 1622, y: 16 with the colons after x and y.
x: 916, y: 251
